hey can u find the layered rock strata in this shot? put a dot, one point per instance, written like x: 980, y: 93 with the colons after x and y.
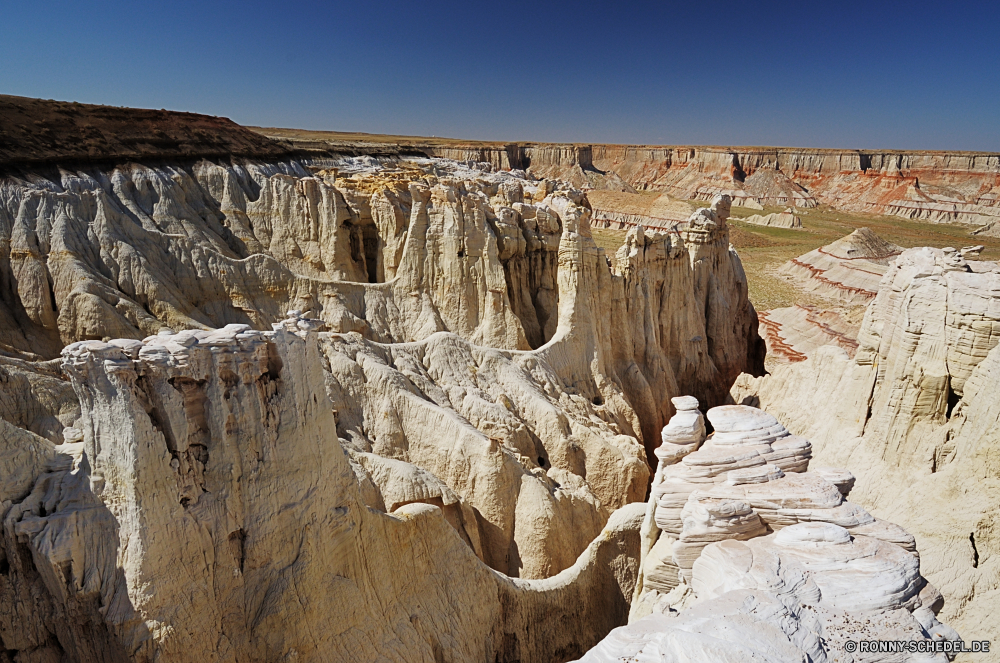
x: 743, y: 437
x: 125, y: 253
x: 793, y: 333
x: 199, y: 465
x: 914, y: 414
x: 848, y: 270
x: 952, y: 187
x: 772, y: 565
x: 613, y: 209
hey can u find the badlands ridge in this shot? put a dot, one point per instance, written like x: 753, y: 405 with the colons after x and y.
x: 310, y: 400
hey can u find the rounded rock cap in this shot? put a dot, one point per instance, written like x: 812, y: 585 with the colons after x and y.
x: 812, y: 534
x: 739, y: 419
x: 685, y: 402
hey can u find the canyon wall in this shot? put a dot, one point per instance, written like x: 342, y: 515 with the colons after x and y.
x: 487, y: 392
x: 206, y: 511
x: 914, y: 416
x: 958, y: 187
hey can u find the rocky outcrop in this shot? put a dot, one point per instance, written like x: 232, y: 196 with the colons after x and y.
x: 500, y: 261
x: 451, y: 366
x: 208, y: 486
x: 913, y: 415
x: 795, y: 332
x: 35, y: 396
x: 784, y: 219
x: 767, y: 563
x: 210, y: 513
x: 849, y: 269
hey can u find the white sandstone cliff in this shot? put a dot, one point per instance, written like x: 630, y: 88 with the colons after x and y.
x: 914, y: 415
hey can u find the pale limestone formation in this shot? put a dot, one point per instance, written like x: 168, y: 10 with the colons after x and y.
x: 744, y: 437
x: 914, y: 416
x: 684, y: 432
x: 848, y: 270
x: 209, y: 514
x: 784, y: 219
x: 207, y: 490
x: 36, y: 397
x: 395, y: 251
x: 773, y: 566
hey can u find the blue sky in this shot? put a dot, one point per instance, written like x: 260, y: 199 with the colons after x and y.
x: 852, y: 75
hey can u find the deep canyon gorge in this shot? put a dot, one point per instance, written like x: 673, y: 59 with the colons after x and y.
x: 278, y: 395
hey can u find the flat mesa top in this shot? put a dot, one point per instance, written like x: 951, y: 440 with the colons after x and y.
x: 44, y: 132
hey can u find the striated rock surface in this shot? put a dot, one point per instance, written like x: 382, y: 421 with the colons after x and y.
x: 914, y: 416
x: 36, y: 396
x: 951, y: 187
x: 849, y: 269
x: 453, y: 371
x: 771, y: 565
x: 613, y: 209
x: 795, y: 332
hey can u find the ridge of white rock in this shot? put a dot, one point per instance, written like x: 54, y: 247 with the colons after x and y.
x: 488, y: 371
x: 772, y: 566
x: 210, y: 513
x: 395, y: 250
x: 914, y: 416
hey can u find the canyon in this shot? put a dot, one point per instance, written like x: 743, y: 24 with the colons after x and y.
x: 274, y: 395
x: 962, y: 187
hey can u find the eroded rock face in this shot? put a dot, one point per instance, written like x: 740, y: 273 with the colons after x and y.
x: 210, y: 514
x: 770, y: 564
x: 222, y: 480
x: 793, y: 333
x: 914, y: 414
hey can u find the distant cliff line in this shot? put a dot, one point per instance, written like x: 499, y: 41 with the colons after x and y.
x: 955, y: 187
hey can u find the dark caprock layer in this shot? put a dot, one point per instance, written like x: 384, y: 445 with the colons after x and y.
x: 36, y: 132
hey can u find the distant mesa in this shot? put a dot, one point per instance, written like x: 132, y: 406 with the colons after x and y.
x: 34, y: 132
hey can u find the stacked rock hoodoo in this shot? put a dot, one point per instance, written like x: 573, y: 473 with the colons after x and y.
x: 744, y: 437
x: 769, y: 560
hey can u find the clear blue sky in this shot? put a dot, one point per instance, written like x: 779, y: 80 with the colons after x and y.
x: 875, y: 75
